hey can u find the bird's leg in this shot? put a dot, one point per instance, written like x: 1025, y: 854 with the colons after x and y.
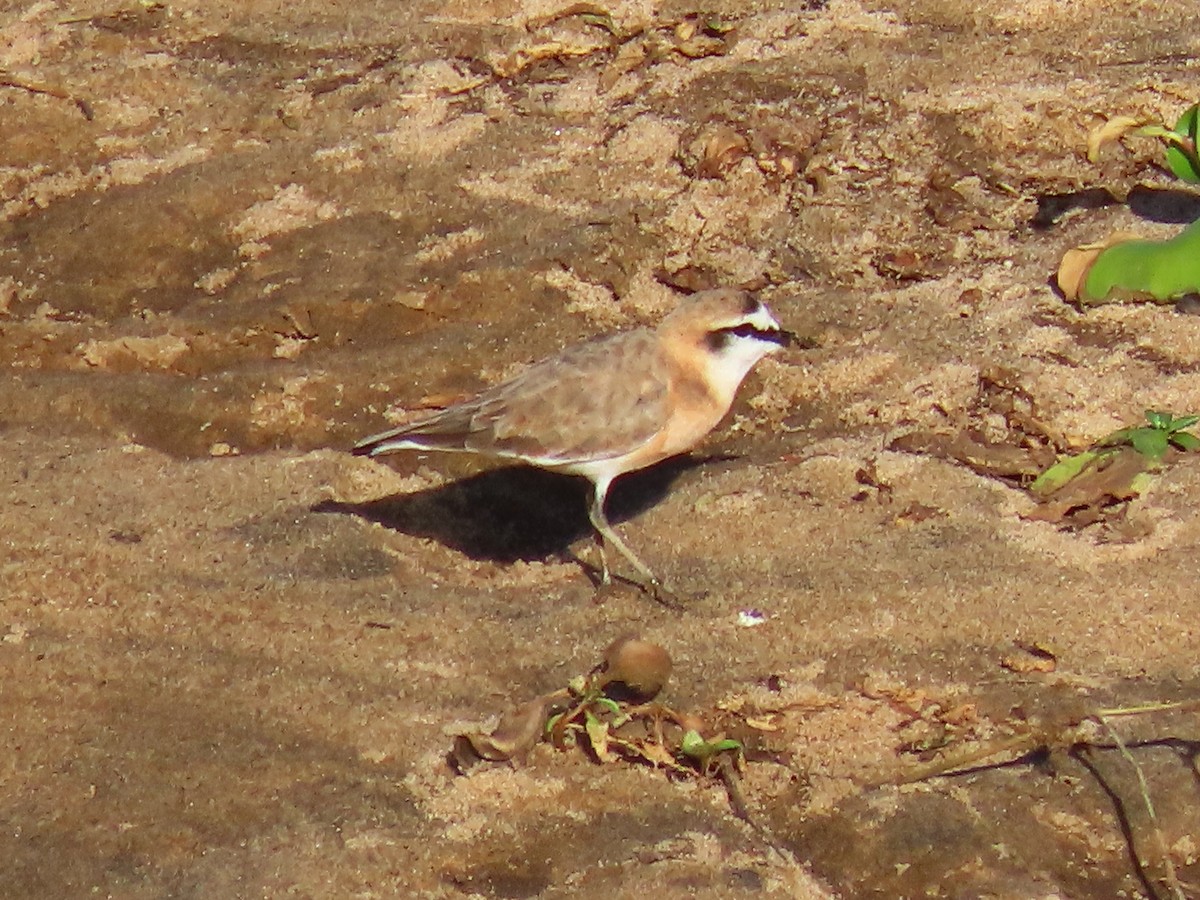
x: 604, y: 531
x: 605, y: 575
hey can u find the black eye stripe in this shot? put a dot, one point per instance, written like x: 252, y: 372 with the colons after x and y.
x: 746, y: 330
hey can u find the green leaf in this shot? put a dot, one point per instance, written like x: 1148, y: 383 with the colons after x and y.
x: 1138, y: 269
x: 1158, y: 419
x: 727, y: 744
x: 1181, y: 150
x: 1119, y: 437
x: 713, y: 24
x: 1185, y: 441
x: 691, y: 742
x: 1184, y: 422
x: 610, y: 705
x: 1152, y: 443
x: 1061, y: 472
x: 698, y: 748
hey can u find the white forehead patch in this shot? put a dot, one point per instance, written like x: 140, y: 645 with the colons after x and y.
x: 762, y: 319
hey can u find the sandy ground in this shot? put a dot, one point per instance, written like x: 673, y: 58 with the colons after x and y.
x: 235, y: 237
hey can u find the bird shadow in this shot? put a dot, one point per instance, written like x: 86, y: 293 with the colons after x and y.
x: 515, y: 513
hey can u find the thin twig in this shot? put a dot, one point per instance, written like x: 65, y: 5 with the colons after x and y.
x: 1171, y: 878
x: 727, y: 772
x: 48, y: 90
x: 1147, y: 708
x: 954, y: 763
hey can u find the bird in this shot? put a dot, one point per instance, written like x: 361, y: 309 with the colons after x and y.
x: 611, y: 405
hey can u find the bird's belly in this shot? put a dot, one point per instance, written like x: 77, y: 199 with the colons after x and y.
x: 682, y: 433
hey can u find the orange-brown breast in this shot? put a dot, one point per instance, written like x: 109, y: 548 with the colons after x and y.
x: 696, y: 408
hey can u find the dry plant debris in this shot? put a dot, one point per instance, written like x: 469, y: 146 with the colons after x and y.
x: 1073, y: 488
x: 1083, y: 488
x: 586, y: 29
x: 611, y: 713
x: 954, y: 744
x: 1015, y: 451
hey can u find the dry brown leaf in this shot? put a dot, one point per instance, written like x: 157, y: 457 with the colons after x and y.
x: 629, y: 57
x: 658, y: 755
x: 515, y: 735
x: 915, y: 513
x: 1084, y: 499
x: 1030, y: 658
x: 761, y: 724
x: 525, y: 57
x: 597, y: 732
x: 721, y: 148
x: 1112, y: 130
x: 984, y: 457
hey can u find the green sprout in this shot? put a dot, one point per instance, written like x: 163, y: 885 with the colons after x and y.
x: 1182, y: 159
x: 1180, y: 141
x: 1153, y: 440
x: 694, y: 746
x: 1150, y: 441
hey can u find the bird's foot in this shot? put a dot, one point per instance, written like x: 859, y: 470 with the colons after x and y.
x: 660, y: 593
x: 655, y: 590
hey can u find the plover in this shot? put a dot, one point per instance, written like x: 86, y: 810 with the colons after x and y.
x: 611, y: 405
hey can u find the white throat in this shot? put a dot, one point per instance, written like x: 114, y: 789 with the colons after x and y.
x: 729, y: 365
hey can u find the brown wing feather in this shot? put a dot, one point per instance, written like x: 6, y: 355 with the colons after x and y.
x: 596, y: 400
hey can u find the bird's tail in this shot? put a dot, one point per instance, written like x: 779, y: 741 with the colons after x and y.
x: 384, y: 442
x: 447, y: 430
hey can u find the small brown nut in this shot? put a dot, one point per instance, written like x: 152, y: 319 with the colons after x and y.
x: 642, y: 667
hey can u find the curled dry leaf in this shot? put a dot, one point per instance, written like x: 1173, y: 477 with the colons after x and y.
x: 1112, y: 130
x: 721, y: 148
x: 515, y: 735
x: 1077, y: 264
x: 521, y: 59
x: 1073, y: 269
x: 1035, y: 657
